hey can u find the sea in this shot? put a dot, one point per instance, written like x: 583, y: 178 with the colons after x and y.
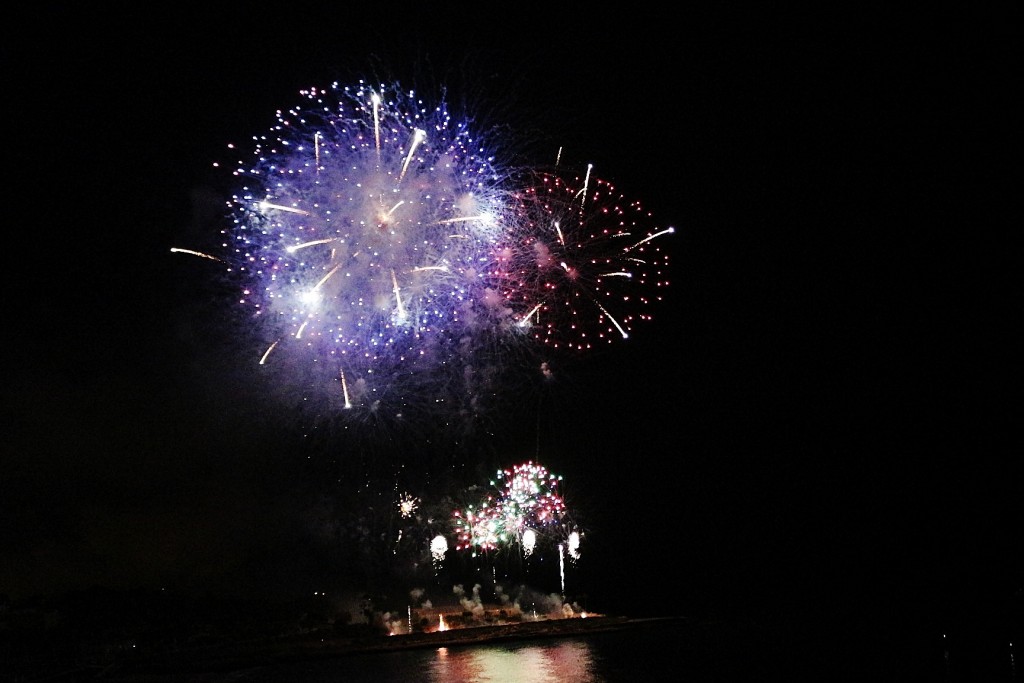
x: 676, y: 650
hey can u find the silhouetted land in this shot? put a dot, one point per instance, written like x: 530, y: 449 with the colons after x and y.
x: 149, y: 635
x: 156, y: 636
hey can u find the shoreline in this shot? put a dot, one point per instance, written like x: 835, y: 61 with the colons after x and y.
x: 239, y: 656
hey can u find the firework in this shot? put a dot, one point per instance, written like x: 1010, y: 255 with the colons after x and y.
x: 527, y: 504
x: 592, y: 264
x: 390, y: 265
x: 368, y: 238
x: 438, y: 547
x: 574, y: 545
x: 529, y: 542
x: 407, y: 504
x: 529, y: 498
x: 479, y: 527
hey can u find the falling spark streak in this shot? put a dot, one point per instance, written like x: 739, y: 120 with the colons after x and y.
x: 462, y: 219
x: 266, y: 353
x: 327, y: 277
x: 419, y: 269
x: 375, y: 98
x: 525, y: 320
x: 561, y: 565
x: 398, y: 297
x: 391, y: 211
x: 289, y: 209
x: 586, y: 182
x: 195, y: 253
x: 302, y: 327
x: 561, y: 237
x: 344, y: 389
x: 614, y: 321
x: 417, y: 137
x: 667, y: 231
x: 316, y: 150
x: 618, y: 274
x: 295, y: 247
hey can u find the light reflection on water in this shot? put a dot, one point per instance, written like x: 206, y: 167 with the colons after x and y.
x: 594, y: 658
x: 567, y: 661
x: 667, y: 651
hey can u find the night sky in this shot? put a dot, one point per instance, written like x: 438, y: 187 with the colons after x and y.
x: 819, y: 416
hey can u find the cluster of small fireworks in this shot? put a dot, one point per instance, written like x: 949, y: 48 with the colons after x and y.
x: 528, y: 503
x: 388, y: 263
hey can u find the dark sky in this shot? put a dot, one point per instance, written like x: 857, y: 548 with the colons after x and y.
x: 820, y: 412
